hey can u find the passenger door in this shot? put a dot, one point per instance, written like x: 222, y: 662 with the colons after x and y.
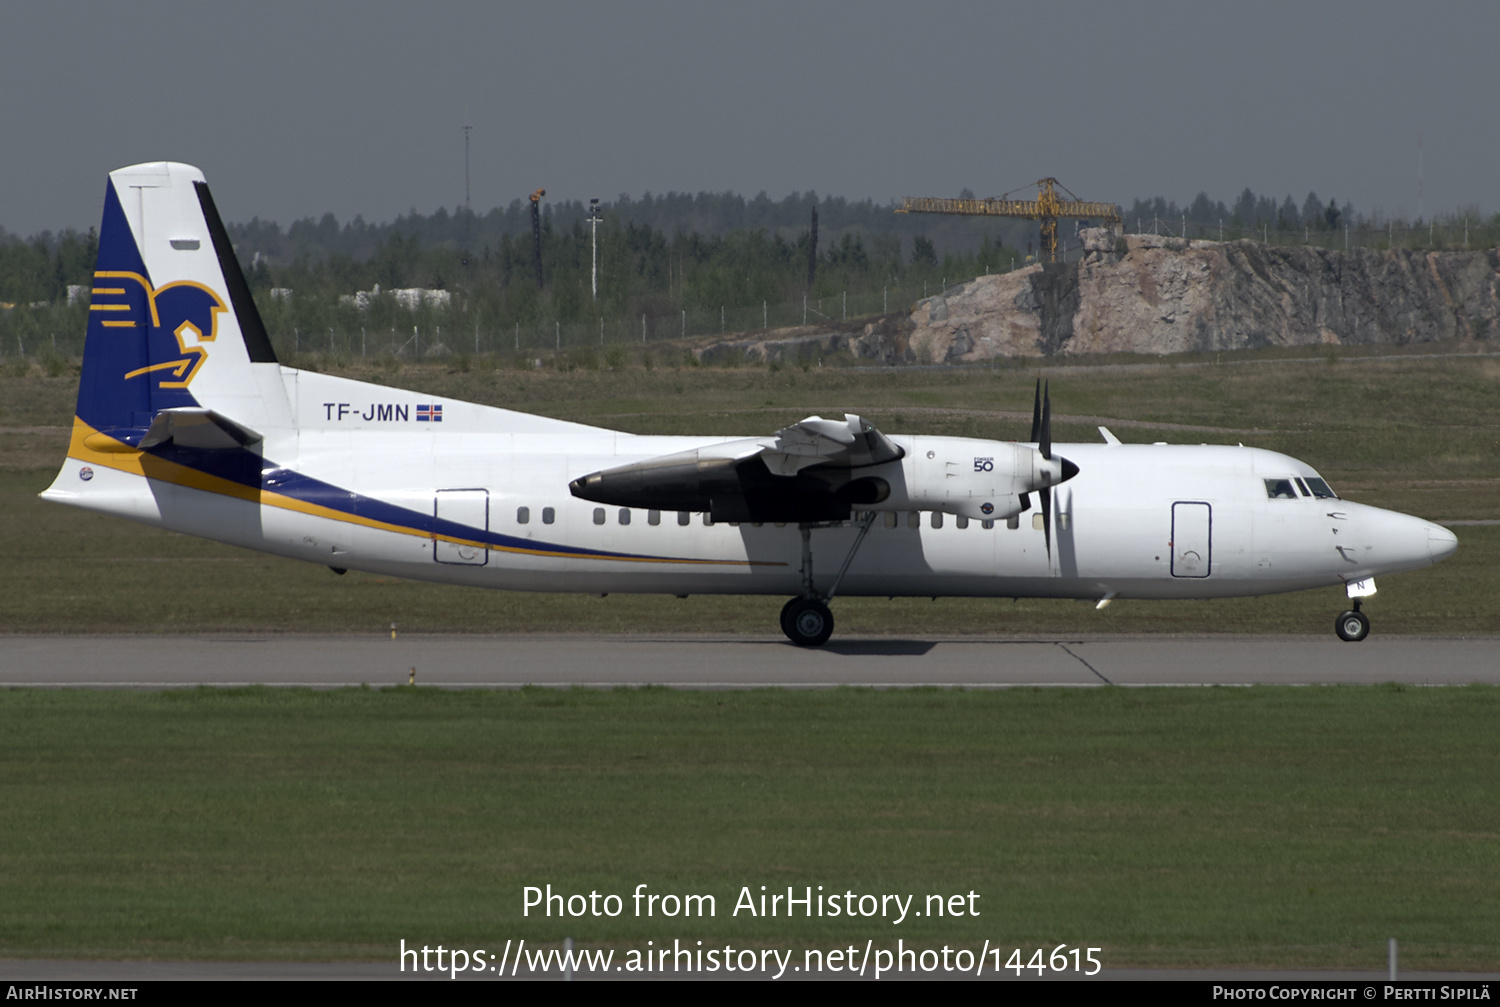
x: 1192, y: 539
x: 470, y: 508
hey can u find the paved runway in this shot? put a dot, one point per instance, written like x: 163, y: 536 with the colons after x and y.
x: 736, y: 662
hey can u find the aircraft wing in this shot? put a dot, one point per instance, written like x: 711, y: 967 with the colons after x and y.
x: 813, y: 470
x: 850, y: 443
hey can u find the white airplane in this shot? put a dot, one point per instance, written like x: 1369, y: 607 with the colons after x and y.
x: 186, y: 421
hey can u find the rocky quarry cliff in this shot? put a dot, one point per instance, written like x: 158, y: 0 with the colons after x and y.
x: 1156, y: 295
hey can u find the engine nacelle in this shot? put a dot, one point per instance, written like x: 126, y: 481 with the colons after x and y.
x: 981, y: 480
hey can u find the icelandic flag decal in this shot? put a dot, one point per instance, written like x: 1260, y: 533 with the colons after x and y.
x: 426, y: 413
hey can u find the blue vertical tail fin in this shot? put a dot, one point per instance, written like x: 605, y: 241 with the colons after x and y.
x: 172, y: 323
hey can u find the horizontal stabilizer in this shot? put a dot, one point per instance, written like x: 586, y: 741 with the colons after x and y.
x: 202, y: 429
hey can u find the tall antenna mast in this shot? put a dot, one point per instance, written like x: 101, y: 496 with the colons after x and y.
x: 1421, y: 175
x: 467, y: 129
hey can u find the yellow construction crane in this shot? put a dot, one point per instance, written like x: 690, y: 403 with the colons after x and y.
x: 1047, y: 207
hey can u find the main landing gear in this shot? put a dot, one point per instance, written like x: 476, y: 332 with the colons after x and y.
x: 807, y: 622
x: 805, y: 619
x: 1352, y: 626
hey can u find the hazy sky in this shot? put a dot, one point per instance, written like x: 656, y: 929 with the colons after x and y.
x: 294, y: 109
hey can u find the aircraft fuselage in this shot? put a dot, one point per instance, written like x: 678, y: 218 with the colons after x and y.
x: 1137, y: 521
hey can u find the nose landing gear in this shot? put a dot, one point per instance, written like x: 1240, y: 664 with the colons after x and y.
x: 1352, y: 626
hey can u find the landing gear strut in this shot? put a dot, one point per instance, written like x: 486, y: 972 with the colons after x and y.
x: 806, y: 620
x: 1352, y: 626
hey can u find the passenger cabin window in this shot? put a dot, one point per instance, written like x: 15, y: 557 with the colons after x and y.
x: 1320, y: 489
x: 598, y: 515
x: 653, y: 517
x: 987, y: 525
x: 890, y: 519
x: 962, y: 521
x: 624, y: 515
x: 683, y: 517
x: 1280, y: 489
x: 937, y: 519
x: 914, y: 519
x: 1013, y: 522
x: 549, y: 515
x: 523, y: 515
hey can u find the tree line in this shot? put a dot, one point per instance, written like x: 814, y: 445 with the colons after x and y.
x: 1247, y: 212
x: 41, y: 268
x: 640, y: 272
x: 657, y: 257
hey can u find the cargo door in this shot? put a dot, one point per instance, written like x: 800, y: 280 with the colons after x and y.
x: 471, y: 509
x: 1192, y: 539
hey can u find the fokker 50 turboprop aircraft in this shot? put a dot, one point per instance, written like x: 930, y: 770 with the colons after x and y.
x: 187, y: 421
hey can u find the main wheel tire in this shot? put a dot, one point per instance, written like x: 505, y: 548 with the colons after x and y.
x: 786, y: 616
x: 808, y: 623
x: 1352, y: 627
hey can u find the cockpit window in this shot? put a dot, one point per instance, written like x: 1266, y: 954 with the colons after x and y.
x: 1280, y: 489
x: 1302, y: 486
x: 1320, y: 489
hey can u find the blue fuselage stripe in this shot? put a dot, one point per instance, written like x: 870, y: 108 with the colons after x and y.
x: 249, y: 469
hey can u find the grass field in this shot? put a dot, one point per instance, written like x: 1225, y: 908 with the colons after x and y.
x: 1261, y: 826
x: 1418, y: 434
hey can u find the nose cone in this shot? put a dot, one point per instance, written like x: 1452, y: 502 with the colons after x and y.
x: 1069, y: 470
x: 1390, y: 542
x: 1441, y: 543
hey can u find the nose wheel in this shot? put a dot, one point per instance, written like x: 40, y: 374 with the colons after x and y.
x: 1352, y: 626
x: 807, y: 622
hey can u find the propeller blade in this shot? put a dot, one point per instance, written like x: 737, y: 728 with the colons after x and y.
x: 1036, y: 414
x: 1046, y: 496
x: 1025, y: 502
x: 1046, y: 441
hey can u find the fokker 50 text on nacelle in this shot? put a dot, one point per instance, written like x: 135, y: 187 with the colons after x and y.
x: 186, y: 421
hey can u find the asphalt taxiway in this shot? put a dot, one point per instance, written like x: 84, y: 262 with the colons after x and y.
x: 737, y: 662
